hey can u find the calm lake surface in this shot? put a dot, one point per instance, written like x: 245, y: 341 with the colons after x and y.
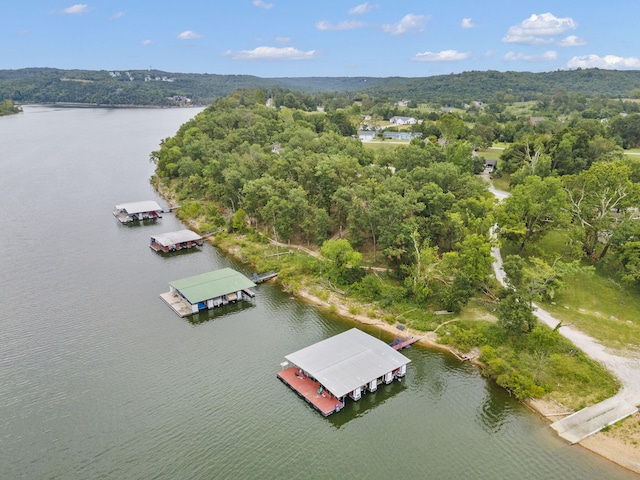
x: 99, y: 379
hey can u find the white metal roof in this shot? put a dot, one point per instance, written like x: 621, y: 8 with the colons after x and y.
x: 347, y: 361
x: 140, y: 207
x: 173, y: 238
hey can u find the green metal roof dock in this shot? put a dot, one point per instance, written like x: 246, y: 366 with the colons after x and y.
x: 207, y: 290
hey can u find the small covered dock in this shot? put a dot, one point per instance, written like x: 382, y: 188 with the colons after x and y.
x: 349, y: 364
x: 207, y: 290
x: 174, y: 241
x: 137, y: 211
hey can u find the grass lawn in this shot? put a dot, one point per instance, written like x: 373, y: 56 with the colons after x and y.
x: 594, y: 303
x: 380, y: 145
x: 502, y: 183
x: 490, y: 153
x: 602, y: 308
x: 521, y: 109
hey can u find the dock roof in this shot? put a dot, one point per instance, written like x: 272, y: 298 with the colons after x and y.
x: 173, y: 238
x: 140, y: 207
x: 347, y: 361
x: 205, y: 286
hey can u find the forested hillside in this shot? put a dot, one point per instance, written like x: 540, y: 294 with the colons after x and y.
x: 419, y: 212
x: 157, y: 88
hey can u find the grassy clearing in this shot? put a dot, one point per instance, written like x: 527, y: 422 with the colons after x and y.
x: 490, y: 153
x: 540, y: 364
x: 595, y: 303
x: 521, y: 109
x: 602, y: 308
x: 379, y: 144
x: 502, y: 182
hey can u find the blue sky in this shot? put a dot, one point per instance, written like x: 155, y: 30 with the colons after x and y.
x: 294, y: 38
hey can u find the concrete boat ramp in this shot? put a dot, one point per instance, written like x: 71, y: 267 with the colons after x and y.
x: 578, y: 426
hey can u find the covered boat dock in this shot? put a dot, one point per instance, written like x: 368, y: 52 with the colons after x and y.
x: 207, y: 290
x: 137, y: 211
x: 173, y: 241
x: 347, y: 364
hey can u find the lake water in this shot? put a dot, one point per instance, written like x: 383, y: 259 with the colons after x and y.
x: 100, y: 379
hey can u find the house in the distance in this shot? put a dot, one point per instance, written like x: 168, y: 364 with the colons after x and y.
x: 366, y: 135
x: 401, y: 135
x: 398, y: 120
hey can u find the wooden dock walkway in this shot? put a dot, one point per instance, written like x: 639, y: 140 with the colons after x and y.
x: 400, y: 343
x: 177, y: 304
x: 309, y: 389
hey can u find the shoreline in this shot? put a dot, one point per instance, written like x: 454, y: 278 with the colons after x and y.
x: 609, y: 448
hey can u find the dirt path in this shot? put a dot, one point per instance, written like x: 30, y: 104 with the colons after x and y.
x: 626, y: 367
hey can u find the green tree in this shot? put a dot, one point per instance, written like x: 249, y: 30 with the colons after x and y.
x: 602, y: 201
x: 532, y: 209
x: 239, y: 220
x: 515, y: 313
x: 451, y: 127
x: 341, y: 257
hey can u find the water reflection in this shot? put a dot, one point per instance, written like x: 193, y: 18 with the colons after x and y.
x: 177, y: 253
x: 204, y: 316
x: 368, y: 402
x: 494, y: 411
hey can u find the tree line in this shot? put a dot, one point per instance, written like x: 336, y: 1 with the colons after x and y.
x: 48, y: 85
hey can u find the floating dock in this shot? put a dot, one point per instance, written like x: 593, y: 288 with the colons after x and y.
x: 208, y: 290
x: 345, y: 365
x: 263, y: 277
x: 174, y: 241
x: 311, y: 391
x: 137, y: 211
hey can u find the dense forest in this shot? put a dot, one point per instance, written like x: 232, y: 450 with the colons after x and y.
x: 157, y: 88
x: 274, y: 167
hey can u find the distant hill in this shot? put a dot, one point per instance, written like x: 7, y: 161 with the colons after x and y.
x: 157, y: 88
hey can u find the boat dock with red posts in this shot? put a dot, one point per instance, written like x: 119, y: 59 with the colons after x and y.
x: 137, y: 211
x: 173, y: 241
x: 348, y: 364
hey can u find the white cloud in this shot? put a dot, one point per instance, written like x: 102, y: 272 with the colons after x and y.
x: 22, y: 33
x: 539, y: 29
x: 363, y: 8
x: 261, y: 4
x: 188, y: 35
x: 283, y: 40
x: 572, y: 41
x: 146, y: 43
x: 77, y: 9
x: 543, y: 57
x: 443, y: 56
x: 467, y: 23
x: 609, y: 62
x: 116, y: 15
x: 272, y: 53
x: 407, y: 23
x: 324, y: 25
